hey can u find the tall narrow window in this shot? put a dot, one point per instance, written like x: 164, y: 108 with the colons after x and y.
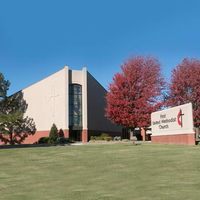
x: 75, y: 106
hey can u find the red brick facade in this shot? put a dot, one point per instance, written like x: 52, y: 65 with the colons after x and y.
x: 34, y: 138
x: 188, y: 139
x: 84, y: 136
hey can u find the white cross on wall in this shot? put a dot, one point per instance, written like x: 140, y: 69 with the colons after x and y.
x: 52, y: 98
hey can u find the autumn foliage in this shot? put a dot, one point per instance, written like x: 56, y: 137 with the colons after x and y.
x: 185, y: 86
x: 135, y: 92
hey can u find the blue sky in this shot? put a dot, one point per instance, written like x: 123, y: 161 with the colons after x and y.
x: 39, y: 37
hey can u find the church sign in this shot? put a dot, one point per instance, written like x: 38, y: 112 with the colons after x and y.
x: 172, y: 121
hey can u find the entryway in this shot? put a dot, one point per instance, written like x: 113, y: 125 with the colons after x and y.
x: 75, y: 135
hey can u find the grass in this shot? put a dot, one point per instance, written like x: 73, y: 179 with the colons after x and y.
x: 101, y: 172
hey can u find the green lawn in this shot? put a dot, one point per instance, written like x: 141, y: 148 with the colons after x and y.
x: 91, y: 172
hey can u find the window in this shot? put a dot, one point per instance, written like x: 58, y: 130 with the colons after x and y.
x: 75, y: 106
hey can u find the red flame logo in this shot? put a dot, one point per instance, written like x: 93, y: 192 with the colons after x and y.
x: 180, y: 118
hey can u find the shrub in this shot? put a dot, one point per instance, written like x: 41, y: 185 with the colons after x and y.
x: 43, y: 140
x: 117, y: 138
x: 93, y: 137
x: 103, y: 136
x: 98, y: 138
x: 62, y: 140
x: 108, y: 138
x: 53, y: 135
x: 61, y: 133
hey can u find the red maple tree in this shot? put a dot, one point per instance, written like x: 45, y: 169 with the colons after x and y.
x: 185, y: 86
x: 135, y: 92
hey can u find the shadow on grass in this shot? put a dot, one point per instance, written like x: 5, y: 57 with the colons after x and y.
x: 30, y: 145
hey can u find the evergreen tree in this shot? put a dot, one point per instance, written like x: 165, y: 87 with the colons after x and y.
x: 14, y: 126
x: 53, y: 135
x: 4, y: 86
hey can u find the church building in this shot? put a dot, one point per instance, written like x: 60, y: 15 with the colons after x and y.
x: 73, y: 100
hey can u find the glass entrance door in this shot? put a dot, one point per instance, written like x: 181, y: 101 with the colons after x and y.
x: 75, y: 135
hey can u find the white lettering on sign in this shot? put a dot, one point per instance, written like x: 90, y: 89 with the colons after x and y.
x: 176, y: 120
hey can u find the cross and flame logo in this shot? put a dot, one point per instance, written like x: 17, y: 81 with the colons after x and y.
x: 180, y: 118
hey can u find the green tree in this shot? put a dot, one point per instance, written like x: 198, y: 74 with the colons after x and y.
x: 14, y: 126
x: 4, y: 86
x: 53, y: 135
